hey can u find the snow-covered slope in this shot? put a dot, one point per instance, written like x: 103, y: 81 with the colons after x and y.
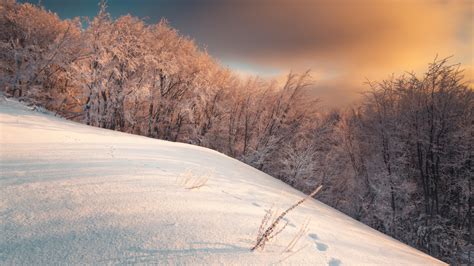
x: 73, y: 194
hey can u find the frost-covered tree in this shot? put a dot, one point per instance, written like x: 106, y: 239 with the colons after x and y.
x: 411, y: 128
x: 36, y: 47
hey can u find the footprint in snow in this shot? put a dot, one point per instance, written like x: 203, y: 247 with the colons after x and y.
x: 334, y: 262
x: 319, y: 245
x: 256, y: 204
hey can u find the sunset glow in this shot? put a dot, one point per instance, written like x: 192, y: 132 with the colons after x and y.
x: 343, y: 42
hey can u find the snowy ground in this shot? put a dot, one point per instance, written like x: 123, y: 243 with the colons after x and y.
x: 73, y: 194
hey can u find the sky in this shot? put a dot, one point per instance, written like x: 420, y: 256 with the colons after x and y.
x: 343, y: 42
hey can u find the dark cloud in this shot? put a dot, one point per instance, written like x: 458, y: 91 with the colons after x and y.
x: 286, y: 32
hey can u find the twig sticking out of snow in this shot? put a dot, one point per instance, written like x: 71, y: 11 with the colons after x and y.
x: 303, y: 231
x: 263, y: 224
x: 293, y: 253
x: 192, y: 180
x: 266, y: 233
x: 198, y: 183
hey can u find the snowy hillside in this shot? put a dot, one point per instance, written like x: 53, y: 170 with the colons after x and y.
x: 75, y: 194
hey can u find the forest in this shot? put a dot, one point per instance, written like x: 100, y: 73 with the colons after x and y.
x: 400, y: 160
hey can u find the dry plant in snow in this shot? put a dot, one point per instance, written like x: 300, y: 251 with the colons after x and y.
x: 269, y: 230
x: 303, y: 231
x: 191, y: 179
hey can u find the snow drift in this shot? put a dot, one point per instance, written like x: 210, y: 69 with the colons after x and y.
x: 73, y: 194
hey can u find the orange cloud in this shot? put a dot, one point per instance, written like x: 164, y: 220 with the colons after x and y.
x: 344, y: 41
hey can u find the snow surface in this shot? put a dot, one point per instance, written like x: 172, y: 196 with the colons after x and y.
x: 74, y: 194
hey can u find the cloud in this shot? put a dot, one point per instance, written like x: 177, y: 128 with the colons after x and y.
x: 344, y: 41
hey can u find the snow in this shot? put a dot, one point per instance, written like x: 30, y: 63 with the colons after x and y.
x: 73, y: 194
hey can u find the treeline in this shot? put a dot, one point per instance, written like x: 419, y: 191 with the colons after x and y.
x: 400, y: 161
